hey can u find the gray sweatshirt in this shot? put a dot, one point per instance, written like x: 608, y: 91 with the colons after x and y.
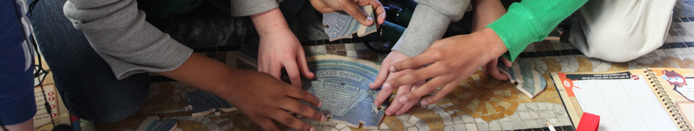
x: 429, y: 22
x: 118, y: 32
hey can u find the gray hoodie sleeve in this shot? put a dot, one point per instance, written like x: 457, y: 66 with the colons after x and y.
x: 118, y: 32
x: 429, y: 22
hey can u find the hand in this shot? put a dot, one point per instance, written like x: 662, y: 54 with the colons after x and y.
x: 451, y: 61
x: 279, y: 48
x: 384, y: 74
x: 490, y: 68
x: 256, y: 95
x: 282, y: 49
x: 263, y: 99
x: 352, y: 8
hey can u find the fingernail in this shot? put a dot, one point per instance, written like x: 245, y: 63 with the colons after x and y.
x: 392, y: 68
x: 313, y: 129
x: 320, y: 104
x: 387, y: 85
x: 322, y: 118
x: 388, y: 113
x: 369, y: 20
x: 424, y: 102
x: 403, y: 99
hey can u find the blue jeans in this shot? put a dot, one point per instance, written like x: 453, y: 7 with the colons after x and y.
x: 86, y: 82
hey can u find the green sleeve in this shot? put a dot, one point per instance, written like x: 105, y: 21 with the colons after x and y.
x: 530, y: 21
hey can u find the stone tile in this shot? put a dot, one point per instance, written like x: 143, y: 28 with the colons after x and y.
x: 522, y: 107
x: 479, y: 120
x: 483, y: 126
x: 530, y: 123
x: 383, y: 126
x: 458, y: 120
x: 563, y: 121
x: 494, y: 125
x: 545, y: 114
x: 412, y: 129
x: 471, y: 127
x: 422, y: 126
x: 438, y: 109
x: 541, y: 122
x: 531, y: 106
x: 414, y: 120
x: 334, y: 129
x: 559, y: 109
x: 404, y: 117
x: 660, y: 53
x: 541, y: 106
x: 447, y: 120
x: 524, y: 115
x: 459, y: 127
x: 319, y: 49
x: 507, y: 125
x: 533, y: 114
x: 350, y: 46
x: 406, y: 124
x: 554, y: 121
x: 340, y: 126
x: 346, y: 129
x: 467, y: 118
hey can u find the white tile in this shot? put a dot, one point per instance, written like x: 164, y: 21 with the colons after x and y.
x: 457, y: 120
x: 471, y: 127
x: 483, y: 126
x: 494, y: 125
x: 559, y: 110
x: 438, y: 110
x: 660, y: 53
x: 467, y: 118
x: 530, y: 123
x: 479, y: 120
x: 351, y: 53
x: 349, y: 47
x: 522, y: 107
x: 524, y: 115
x: 533, y: 114
x: 383, y: 126
x: 541, y: 122
x: 404, y: 117
x: 413, y: 120
x: 506, y: 125
x: 447, y: 120
x: 545, y: 114
x: 563, y: 121
x: 340, y: 126
x: 406, y: 124
x: 459, y: 127
x: 431, y: 106
x: 448, y: 128
x: 334, y: 129
x: 346, y: 129
x: 554, y: 121
x: 319, y: 49
x: 423, y: 126
x: 533, y: 106
x: 412, y: 129
x: 541, y: 106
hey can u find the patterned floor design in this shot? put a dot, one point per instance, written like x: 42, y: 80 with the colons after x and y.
x: 479, y: 103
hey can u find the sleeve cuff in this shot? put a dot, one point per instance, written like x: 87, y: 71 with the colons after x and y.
x: 429, y: 26
x: 517, y: 30
x: 251, y: 7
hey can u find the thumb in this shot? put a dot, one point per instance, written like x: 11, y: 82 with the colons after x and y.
x: 353, y: 9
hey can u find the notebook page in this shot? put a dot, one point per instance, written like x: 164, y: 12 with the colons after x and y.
x: 623, y: 104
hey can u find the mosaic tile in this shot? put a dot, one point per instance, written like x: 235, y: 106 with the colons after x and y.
x: 471, y: 127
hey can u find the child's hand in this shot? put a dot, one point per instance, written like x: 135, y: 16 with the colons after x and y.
x: 450, y: 61
x: 352, y: 8
x: 279, y: 48
x: 490, y: 68
x: 263, y: 98
x: 384, y: 74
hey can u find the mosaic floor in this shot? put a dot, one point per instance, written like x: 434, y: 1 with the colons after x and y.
x: 479, y: 103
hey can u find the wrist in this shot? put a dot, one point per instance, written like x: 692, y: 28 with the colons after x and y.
x: 269, y: 22
x: 493, y: 41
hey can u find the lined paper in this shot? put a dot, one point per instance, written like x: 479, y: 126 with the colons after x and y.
x: 623, y: 104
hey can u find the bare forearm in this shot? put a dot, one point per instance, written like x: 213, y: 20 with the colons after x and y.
x: 486, y: 12
x: 204, y: 73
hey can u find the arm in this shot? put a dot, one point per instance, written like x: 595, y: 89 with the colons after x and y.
x: 530, y: 21
x: 118, y: 32
x: 429, y: 22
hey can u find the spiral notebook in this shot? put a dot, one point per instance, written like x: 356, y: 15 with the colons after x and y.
x: 655, y: 99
